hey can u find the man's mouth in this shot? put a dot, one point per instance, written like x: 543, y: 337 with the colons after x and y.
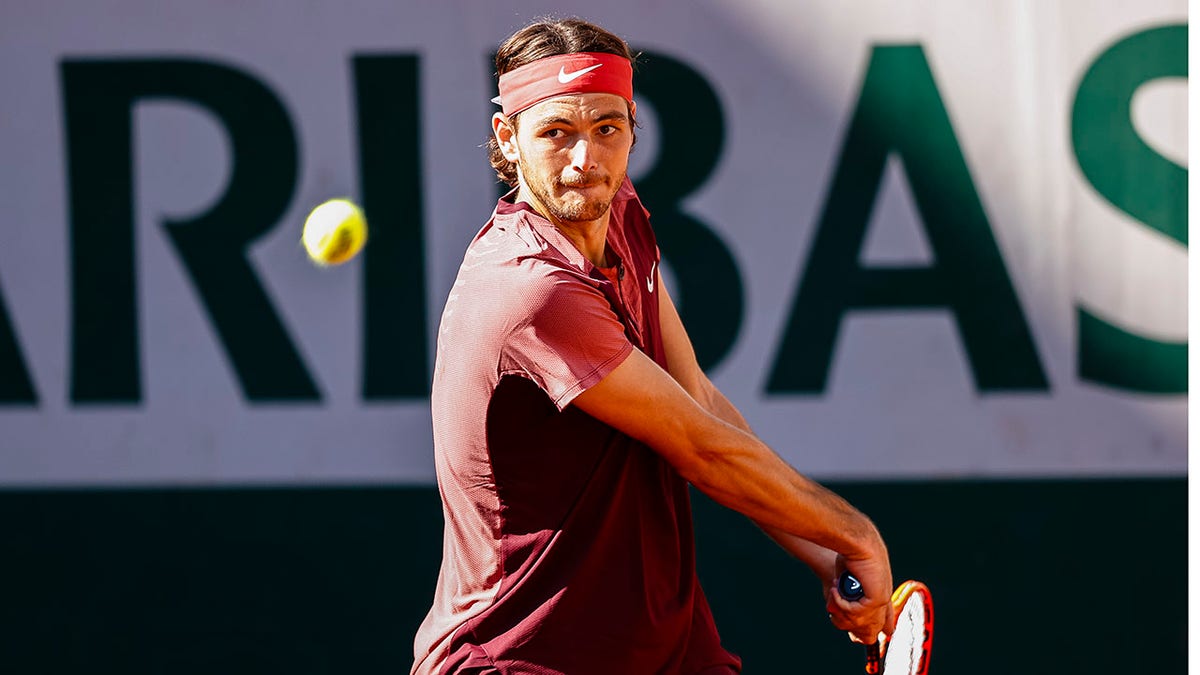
x: 581, y: 185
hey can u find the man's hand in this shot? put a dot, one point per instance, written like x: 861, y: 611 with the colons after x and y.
x: 871, y: 615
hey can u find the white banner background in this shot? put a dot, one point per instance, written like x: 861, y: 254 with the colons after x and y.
x: 900, y: 402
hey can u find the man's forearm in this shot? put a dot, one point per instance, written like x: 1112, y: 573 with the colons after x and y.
x: 727, y: 463
x: 724, y: 458
x: 821, y: 560
x: 738, y: 471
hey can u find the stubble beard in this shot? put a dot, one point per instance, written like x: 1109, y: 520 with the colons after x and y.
x: 574, y: 211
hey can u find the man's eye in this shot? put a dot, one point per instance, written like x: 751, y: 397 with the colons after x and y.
x: 608, y: 130
x: 553, y: 133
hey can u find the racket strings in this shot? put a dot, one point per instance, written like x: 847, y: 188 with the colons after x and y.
x: 907, y: 643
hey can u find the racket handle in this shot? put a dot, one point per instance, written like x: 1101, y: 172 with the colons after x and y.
x: 850, y: 588
x: 873, y: 663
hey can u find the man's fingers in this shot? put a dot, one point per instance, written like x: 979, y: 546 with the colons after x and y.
x: 861, y: 630
x: 863, y: 622
x: 861, y: 641
x: 889, y: 623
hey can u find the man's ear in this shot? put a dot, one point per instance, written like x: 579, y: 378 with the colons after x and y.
x: 506, y: 137
x: 633, y: 112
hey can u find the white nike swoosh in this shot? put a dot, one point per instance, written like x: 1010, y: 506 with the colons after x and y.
x: 565, y: 77
x: 650, y: 279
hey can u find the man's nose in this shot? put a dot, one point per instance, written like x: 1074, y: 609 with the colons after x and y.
x: 582, y: 159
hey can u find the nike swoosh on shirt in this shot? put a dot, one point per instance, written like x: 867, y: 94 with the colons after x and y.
x: 650, y: 279
x: 565, y: 77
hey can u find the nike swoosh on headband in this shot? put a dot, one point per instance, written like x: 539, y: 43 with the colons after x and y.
x: 565, y: 77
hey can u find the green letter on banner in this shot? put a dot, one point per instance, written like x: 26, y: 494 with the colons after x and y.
x: 1140, y: 182
x: 899, y: 110
x: 98, y: 101
x: 15, y: 384
x: 692, y: 132
x: 395, y: 340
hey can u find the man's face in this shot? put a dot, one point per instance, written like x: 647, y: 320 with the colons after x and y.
x: 571, y: 153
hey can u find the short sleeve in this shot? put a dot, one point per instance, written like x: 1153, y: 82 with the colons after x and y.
x: 570, y: 340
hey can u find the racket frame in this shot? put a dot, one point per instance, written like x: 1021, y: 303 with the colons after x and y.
x: 876, y: 653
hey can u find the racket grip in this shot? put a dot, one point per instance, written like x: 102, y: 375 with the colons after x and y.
x: 873, y: 659
x: 850, y: 588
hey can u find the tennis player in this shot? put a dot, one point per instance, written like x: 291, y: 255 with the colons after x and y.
x: 570, y: 414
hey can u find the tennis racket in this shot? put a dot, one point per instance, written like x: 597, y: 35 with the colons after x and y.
x: 906, y: 650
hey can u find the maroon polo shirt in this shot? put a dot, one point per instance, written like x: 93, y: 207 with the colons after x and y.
x: 568, y: 545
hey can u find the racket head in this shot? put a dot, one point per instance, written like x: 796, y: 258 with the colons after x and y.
x: 906, y: 650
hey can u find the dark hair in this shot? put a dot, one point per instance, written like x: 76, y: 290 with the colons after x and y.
x: 542, y: 38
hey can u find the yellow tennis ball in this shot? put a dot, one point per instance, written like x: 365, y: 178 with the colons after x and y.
x: 334, y: 232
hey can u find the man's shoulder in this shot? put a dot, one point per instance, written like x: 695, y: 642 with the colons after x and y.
x: 631, y: 222
x: 511, y: 253
x: 628, y: 211
x: 517, y: 236
x: 506, y: 236
x: 626, y: 193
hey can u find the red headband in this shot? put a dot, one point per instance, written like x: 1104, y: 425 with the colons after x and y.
x: 579, y: 73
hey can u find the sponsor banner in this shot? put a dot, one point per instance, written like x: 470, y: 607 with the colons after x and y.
x: 910, y: 240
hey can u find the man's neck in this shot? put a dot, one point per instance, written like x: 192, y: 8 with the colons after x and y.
x: 588, y: 236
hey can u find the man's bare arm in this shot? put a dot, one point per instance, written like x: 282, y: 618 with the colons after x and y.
x: 682, y: 365
x: 822, y: 561
x: 733, y: 467
x: 695, y: 428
